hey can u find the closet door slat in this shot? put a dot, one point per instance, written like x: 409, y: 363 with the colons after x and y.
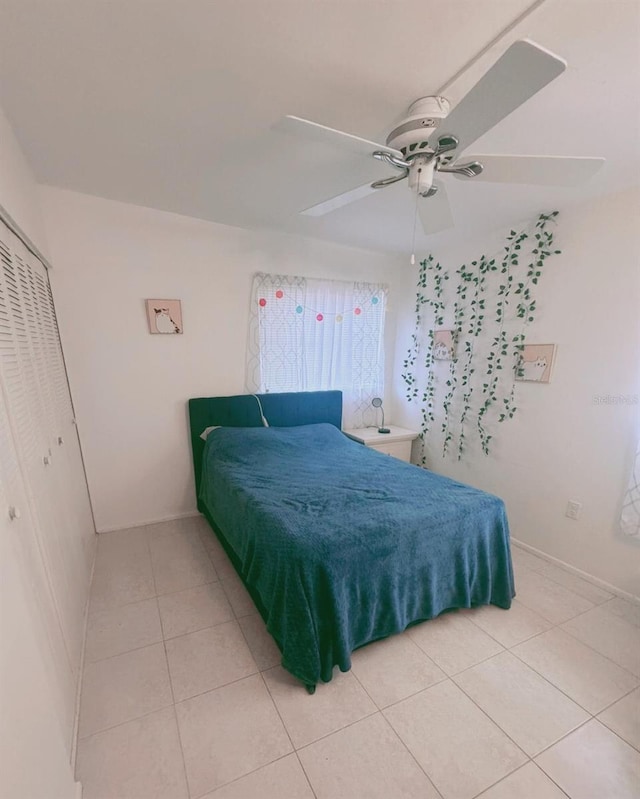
x: 15, y: 358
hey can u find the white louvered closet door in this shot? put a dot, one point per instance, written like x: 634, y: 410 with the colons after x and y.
x: 66, y: 445
x: 40, y: 411
x: 20, y: 543
x: 33, y: 653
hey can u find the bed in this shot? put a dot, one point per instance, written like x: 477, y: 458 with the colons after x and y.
x: 339, y: 545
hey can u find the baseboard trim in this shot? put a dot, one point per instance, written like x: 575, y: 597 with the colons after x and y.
x: 613, y: 589
x: 170, y: 518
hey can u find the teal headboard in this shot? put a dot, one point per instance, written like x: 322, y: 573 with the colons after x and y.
x: 281, y: 410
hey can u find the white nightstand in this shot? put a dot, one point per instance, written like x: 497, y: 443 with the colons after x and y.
x: 396, y: 443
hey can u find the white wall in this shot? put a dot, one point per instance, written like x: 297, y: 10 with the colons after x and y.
x: 561, y: 445
x: 18, y: 189
x: 130, y: 388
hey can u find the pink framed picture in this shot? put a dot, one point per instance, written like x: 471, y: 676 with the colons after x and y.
x: 443, y: 346
x: 536, y: 362
x: 164, y: 316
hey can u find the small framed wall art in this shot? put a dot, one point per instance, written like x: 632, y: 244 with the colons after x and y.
x: 164, y: 316
x: 536, y: 362
x: 443, y: 346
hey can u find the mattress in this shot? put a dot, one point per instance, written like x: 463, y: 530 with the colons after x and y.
x: 341, y: 545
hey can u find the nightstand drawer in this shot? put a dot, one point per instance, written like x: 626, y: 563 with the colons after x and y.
x: 398, y: 449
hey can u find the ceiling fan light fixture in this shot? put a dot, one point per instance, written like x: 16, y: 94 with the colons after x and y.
x: 421, y: 174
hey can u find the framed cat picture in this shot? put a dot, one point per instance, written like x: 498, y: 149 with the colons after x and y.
x: 536, y: 362
x: 443, y: 346
x: 164, y: 316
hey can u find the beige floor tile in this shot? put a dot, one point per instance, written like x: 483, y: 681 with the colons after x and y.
x: 528, y: 782
x: 123, y: 688
x: 508, y: 627
x: 112, y: 632
x: 593, y: 763
x: 283, y: 779
x: 549, y: 599
x: 263, y: 648
x: 526, y: 560
x: 610, y: 635
x: 197, y: 522
x: 393, y: 669
x: 528, y: 708
x: 179, y: 561
x: 194, y: 609
x: 307, y: 718
x: 141, y: 759
x: 238, y: 595
x: 122, y: 572
x: 185, y: 524
x: 629, y: 611
x: 366, y: 760
x: 228, y: 733
x: 218, y: 556
x: 576, y: 584
x: 453, y: 642
x: 624, y: 718
x: 207, y: 659
x: 461, y: 750
x: 115, y: 546
x: 590, y: 679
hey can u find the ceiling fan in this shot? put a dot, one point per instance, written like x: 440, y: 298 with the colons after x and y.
x: 427, y: 144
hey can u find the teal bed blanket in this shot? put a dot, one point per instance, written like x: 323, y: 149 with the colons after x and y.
x: 342, y: 545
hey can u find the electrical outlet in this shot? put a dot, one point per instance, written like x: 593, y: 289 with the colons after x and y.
x: 573, y: 509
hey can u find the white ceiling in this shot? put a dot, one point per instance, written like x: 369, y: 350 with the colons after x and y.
x: 166, y: 104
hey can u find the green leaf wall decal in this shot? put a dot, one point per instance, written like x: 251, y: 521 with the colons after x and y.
x: 492, y: 307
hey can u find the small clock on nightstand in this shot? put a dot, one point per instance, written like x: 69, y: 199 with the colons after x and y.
x: 397, y: 442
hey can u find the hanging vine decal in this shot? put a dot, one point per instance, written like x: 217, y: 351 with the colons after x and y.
x: 493, y: 306
x: 431, y: 279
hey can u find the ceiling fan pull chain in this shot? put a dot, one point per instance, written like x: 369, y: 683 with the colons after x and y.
x: 415, y: 219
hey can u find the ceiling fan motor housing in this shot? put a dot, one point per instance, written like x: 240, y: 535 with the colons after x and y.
x: 424, y: 116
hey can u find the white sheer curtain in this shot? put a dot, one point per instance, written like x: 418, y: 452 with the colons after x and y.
x: 313, y: 335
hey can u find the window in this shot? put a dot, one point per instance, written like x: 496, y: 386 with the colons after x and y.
x: 314, y: 335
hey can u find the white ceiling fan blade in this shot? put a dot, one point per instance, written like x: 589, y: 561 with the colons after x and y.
x: 538, y: 170
x: 320, y: 209
x: 435, y: 212
x: 521, y: 72
x: 336, y: 138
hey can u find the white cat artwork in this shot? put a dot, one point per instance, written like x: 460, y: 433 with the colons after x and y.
x: 441, y: 352
x: 164, y: 322
x: 164, y: 316
x: 532, y: 370
x: 443, y: 346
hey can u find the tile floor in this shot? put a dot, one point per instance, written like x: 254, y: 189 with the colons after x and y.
x: 183, y: 697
